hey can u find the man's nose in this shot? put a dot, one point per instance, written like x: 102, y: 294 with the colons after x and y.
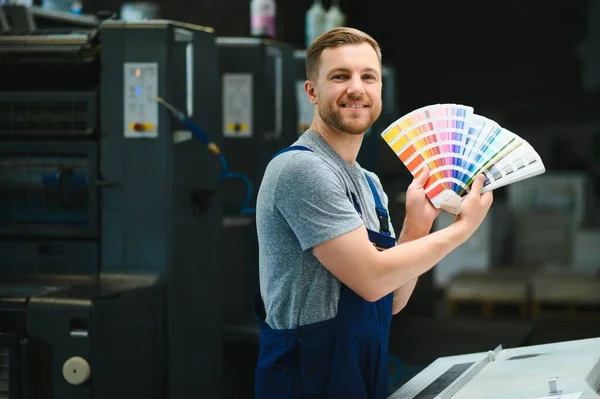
x: 355, y: 86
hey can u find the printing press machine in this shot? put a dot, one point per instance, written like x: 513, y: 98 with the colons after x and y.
x: 109, y: 211
x: 562, y: 370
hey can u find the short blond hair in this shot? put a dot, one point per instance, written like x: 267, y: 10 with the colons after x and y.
x: 334, y: 38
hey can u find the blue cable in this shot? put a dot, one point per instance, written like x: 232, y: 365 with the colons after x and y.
x: 234, y: 175
x: 212, y: 147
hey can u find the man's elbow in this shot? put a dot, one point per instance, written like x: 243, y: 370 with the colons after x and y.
x: 397, y: 306
x: 371, y: 296
x: 366, y: 282
x: 371, y: 292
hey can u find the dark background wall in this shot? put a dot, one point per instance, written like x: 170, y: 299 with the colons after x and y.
x: 518, y: 58
x: 532, y: 66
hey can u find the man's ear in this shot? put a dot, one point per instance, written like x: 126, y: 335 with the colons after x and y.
x: 311, y: 93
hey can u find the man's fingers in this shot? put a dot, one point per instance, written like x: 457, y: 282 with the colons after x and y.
x: 488, y: 197
x: 420, y: 180
x: 478, y: 185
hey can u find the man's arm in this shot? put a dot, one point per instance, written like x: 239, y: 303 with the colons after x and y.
x: 403, y: 294
x: 373, y: 274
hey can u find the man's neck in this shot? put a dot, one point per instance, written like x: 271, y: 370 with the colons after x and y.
x: 346, y: 145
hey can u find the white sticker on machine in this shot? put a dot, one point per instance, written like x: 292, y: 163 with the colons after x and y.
x: 237, y: 105
x: 140, y: 109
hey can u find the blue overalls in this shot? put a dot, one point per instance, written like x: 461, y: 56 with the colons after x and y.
x: 345, y: 357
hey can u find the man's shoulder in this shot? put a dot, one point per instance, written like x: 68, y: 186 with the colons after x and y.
x: 298, y: 164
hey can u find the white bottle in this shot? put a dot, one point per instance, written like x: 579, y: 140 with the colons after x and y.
x: 334, y: 17
x: 262, y: 18
x: 315, y: 22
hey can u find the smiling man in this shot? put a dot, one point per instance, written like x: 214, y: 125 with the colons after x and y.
x: 332, y: 272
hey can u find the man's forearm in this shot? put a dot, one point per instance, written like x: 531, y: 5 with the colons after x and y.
x: 402, y: 294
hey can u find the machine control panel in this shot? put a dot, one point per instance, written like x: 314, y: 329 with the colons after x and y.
x: 237, y: 105
x: 140, y: 89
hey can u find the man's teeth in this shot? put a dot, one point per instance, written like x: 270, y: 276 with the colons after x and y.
x: 353, y: 106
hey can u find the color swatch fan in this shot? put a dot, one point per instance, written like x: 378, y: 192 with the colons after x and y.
x: 458, y: 145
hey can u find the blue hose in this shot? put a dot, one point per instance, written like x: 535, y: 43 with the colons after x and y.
x: 212, y: 147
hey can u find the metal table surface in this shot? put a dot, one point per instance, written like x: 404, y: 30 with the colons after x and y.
x: 578, y: 361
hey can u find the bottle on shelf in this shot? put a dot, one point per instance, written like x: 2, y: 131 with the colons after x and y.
x: 334, y: 17
x: 263, y: 18
x: 315, y: 22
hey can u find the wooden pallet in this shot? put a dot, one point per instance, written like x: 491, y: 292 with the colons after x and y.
x: 487, y: 309
x: 565, y: 295
x: 492, y: 292
x: 565, y: 311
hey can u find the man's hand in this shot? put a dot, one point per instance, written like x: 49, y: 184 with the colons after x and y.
x: 475, y: 206
x: 420, y: 212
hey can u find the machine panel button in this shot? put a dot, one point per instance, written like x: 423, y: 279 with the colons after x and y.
x: 141, y: 127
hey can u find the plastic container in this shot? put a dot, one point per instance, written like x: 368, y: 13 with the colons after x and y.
x: 263, y: 15
x: 334, y: 17
x: 315, y: 22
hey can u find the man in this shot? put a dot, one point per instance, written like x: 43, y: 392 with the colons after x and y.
x: 331, y: 274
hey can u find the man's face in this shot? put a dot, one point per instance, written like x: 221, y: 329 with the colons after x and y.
x: 348, y: 88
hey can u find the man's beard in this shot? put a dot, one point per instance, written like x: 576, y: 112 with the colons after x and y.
x: 348, y: 125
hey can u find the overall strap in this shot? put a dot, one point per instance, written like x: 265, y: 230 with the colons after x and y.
x: 382, y: 214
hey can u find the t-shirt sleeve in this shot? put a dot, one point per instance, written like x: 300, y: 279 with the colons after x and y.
x: 313, y: 202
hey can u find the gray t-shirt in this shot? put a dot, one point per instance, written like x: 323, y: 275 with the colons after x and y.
x: 303, y: 201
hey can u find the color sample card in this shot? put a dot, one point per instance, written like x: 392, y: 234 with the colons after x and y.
x: 457, y: 145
